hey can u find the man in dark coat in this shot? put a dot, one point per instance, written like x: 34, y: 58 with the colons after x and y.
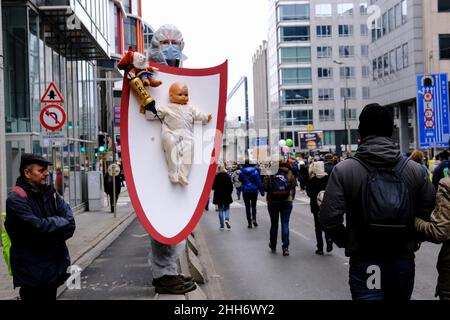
x: 38, y: 222
x: 344, y: 196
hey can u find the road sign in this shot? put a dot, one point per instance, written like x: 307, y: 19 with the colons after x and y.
x: 52, y: 95
x: 52, y: 117
x: 114, y: 170
x: 433, y: 110
x: 55, y: 139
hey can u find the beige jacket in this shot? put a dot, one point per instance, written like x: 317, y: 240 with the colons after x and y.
x: 437, y: 230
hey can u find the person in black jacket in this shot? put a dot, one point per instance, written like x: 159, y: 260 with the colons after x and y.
x: 113, y: 193
x: 223, y: 188
x: 344, y: 199
x: 38, y: 222
x: 318, y: 182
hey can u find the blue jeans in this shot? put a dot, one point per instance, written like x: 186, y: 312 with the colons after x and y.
x: 238, y: 192
x: 396, y: 279
x: 280, y: 210
x: 224, y: 214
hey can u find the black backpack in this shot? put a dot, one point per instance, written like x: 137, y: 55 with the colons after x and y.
x: 280, y: 187
x: 387, y: 204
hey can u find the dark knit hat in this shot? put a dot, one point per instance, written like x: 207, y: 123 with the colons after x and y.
x: 375, y: 120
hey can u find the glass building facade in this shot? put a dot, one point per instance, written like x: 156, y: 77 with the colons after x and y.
x: 40, y: 47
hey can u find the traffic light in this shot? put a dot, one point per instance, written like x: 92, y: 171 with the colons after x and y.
x: 96, y: 153
x: 82, y: 147
x: 101, y: 143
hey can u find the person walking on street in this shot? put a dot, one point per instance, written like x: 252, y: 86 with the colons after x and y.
x: 280, y: 194
x: 442, y: 170
x: 251, y: 185
x: 113, y: 193
x: 379, y: 232
x: 437, y: 230
x: 236, y: 182
x: 317, y: 183
x: 223, y: 188
x: 303, y: 176
x: 38, y: 222
x: 328, y: 163
x: 419, y: 157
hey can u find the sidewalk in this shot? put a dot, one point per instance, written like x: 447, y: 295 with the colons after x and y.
x: 97, y: 228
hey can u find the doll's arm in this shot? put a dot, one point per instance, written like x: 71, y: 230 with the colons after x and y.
x: 201, y: 116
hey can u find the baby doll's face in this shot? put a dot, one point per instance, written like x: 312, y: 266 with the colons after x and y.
x: 179, y: 94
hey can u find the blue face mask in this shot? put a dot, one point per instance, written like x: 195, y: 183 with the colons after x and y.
x: 171, y: 52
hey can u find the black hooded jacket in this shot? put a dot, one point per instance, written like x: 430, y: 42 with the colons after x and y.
x: 343, y: 196
x: 38, y: 225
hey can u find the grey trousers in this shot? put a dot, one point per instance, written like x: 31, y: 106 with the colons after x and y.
x: 163, y: 258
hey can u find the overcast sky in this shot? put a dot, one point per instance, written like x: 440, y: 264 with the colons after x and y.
x: 215, y: 31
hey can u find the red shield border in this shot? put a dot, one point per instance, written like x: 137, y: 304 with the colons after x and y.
x: 222, y: 70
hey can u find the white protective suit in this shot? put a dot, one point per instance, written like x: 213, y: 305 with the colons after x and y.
x: 177, y: 137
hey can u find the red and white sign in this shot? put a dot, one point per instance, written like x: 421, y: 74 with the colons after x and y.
x: 428, y: 96
x: 429, y: 124
x: 169, y: 212
x: 52, y: 95
x: 52, y: 117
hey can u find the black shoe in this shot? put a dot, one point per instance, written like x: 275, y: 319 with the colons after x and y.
x: 329, y: 247
x: 173, y: 285
x: 254, y: 223
x: 285, y: 252
x: 319, y: 252
x: 250, y: 226
x: 273, y: 248
x: 227, y: 223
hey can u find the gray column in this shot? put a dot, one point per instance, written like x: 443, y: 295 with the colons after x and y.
x: 404, y: 131
x: 2, y: 127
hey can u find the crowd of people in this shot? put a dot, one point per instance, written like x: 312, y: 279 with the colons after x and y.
x: 387, y: 199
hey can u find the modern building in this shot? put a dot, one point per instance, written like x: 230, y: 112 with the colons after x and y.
x: 75, y: 44
x: 410, y: 37
x: 318, y: 67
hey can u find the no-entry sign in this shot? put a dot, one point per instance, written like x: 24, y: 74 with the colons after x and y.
x: 52, y: 117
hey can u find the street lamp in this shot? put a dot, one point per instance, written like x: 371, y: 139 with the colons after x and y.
x: 347, y: 127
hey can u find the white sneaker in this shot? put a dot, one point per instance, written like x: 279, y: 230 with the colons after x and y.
x: 228, y: 224
x: 221, y: 228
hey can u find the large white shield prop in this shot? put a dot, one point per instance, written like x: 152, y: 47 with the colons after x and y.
x: 169, y: 212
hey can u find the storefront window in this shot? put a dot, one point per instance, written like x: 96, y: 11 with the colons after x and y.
x: 15, y: 46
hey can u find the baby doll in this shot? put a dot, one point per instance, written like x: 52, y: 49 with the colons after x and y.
x: 177, y: 131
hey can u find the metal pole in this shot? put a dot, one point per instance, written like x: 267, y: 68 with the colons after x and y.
x: 347, y: 126
x: 247, y: 120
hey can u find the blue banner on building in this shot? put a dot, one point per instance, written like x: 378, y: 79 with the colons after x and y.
x: 433, y: 110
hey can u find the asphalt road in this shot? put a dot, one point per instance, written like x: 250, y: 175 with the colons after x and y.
x: 248, y: 270
x: 120, y: 272
x: 242, y: 262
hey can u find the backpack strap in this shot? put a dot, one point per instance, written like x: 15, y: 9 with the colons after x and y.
x: 366, y: 166
x: 20, y: 192
x: 398, y: 168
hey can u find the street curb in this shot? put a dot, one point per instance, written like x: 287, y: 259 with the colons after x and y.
x: 102, y: 242
x: 192, y: 244
x: 195, y: 266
